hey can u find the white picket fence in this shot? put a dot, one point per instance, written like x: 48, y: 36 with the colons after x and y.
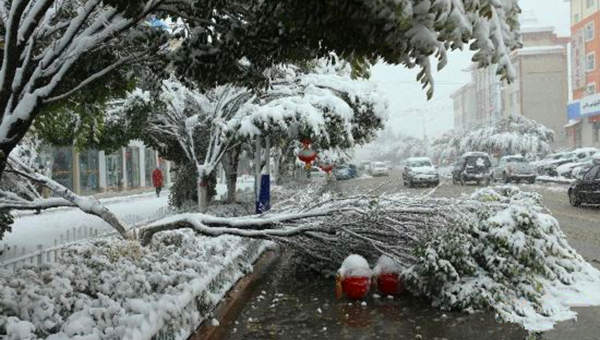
x: 15, y: 257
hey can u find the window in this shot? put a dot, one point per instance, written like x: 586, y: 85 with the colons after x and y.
x: 590, y: 89
x: 588, y: 31
x: 590, y: 61
x: 589, y: 3
x: 576, y: 18
x: 591, y: 174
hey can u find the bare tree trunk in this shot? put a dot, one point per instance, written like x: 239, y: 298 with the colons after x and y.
x: 276, y: 171
x: 230, y: 165
x: 202, y: 194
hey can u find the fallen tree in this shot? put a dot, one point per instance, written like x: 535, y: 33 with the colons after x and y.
x: 498, y: 249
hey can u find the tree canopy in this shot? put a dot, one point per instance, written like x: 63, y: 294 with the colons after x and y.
x: 52, y: 49
x: 509, y: 136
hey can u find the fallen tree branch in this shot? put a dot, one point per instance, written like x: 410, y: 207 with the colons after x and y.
x: 89, y: 204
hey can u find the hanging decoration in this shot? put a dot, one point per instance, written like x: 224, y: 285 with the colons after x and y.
x: 307, y: 155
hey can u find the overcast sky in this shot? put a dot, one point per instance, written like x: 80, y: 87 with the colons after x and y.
x: 410, y: 110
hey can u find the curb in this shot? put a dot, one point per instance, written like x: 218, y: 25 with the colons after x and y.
x: 231, y: 305
x: 552, y: 180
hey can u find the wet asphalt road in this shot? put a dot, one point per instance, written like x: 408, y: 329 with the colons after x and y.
x: 289, y: 305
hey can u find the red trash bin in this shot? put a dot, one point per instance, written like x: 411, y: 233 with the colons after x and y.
x: 356, y: 287
x: 390, y: 284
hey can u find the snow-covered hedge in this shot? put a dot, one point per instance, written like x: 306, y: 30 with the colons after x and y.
x: 508, y: 255
x: 116, y: 289
x: 509, y: 136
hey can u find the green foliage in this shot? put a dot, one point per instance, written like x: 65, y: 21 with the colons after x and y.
x: 184, y: 193
x: 503, y: 251
x: 6, y: 220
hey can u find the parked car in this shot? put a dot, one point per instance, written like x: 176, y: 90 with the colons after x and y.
x: 316, y: 172
x: 379, y: 169
x: 582, y: 156
x: 514, y: 168
x: 548, y: 165
x: 473, y: 167
x: 419, y: 170
x: 346, y: 171
x: 587, y: 189
x: 580, y: 170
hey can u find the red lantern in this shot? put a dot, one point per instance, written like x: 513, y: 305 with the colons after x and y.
x: 328, y: 167
x: 390, y: 284
x: 307, y: 155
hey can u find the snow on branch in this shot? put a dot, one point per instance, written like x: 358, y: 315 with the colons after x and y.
x: 89, y: 205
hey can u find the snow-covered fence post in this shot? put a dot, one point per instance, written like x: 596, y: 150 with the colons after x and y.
x: 40, y: 258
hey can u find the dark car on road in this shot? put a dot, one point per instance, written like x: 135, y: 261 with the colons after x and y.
x: 473, y: 167
x: 346, y: 171
x: 587, y: 189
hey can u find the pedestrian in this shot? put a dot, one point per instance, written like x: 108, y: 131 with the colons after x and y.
x: 157, y: 180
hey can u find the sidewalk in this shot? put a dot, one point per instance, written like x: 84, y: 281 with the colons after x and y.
x: 54, y: 226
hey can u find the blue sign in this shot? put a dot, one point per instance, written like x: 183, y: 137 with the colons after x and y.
x: 264, y: 196
x: 574, y: 111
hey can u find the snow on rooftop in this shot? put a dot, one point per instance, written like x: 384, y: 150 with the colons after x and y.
x: 536, y: 29
x: 572, y: 122
x: 540, y: 50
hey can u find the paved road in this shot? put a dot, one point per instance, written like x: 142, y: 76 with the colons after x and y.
x: 289, y: 305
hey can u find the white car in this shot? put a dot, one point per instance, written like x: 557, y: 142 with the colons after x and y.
x: 379, y: 169
x: 583, y: 158
x: 420, y: 170
x: 514, y: 168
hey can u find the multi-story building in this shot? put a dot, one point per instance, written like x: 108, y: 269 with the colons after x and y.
x: 583, y: 113
x: 93, y: 171
x: 538, y: 92
x: 465, y: 107
x: 540, y: 88
x: 478, y: 102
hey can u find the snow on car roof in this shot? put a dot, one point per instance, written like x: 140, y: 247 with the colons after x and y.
x: 475, y: 153
x: 512, y: 156
x: 589, y: 149
x: 418, y: 159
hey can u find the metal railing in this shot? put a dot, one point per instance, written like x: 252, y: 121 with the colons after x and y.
x: 15, y: 257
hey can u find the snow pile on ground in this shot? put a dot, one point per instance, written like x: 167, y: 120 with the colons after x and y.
x: 508, y: 255
x: 116, y: 289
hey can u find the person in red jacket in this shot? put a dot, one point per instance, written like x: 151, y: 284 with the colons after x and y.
x: 157, y: 180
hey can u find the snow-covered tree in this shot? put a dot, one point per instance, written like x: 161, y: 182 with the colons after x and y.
x: 52, y: 49
x: 394, y: 147
x: 321, y: 102
x: 509, y: 136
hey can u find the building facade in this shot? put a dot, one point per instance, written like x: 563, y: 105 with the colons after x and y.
x: 477, y: 103
x: 538, y: 92
x: 92, y: 171
x: 464, y: 107
x: 540, y: 89
x: 583, y: 113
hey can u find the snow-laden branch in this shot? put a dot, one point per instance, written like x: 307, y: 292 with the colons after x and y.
x: 89, y: 204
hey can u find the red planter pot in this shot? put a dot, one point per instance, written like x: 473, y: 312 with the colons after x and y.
x: 356, y: 287
x: 390, y: 284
